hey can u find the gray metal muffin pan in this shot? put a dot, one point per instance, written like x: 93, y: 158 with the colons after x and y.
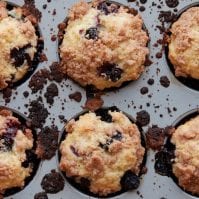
x: 176, y: 95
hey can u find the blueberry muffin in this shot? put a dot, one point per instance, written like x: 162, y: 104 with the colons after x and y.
x: 186, y: 162
x: 14, y: 143
x: 183, y: 44
x: 104, y: 45
x: 18, y: 41
x: 106, y: 153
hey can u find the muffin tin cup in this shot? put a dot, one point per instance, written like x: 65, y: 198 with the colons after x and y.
x: 186, y: 81
x: 132, y: 11
x: 34, y: 160
x: 36, y: 59
x: 77, y: 186
x: 171, y: 148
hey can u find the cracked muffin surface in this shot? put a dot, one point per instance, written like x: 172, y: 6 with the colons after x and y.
x: 186, y: 162
x: 14, y: 142
x: 18, y: 41
x: 104, y: 45
x: 101, y: 152
x: 184, y: 44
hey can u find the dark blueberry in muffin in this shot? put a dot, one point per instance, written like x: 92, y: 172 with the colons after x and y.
x: 19, y: 55
x: 7, y: 139
x: 103, y: 7
x: 163, y: 162
x: 106, y: 145
x: 73, y: 149
x: 110, y: 71
x: 84, y: 183
x: 92, y: 33
x: 117, y: 136
x: 31, y: 158
x: 107, y: 9
x: 130, y: 181
x: 105, y: 116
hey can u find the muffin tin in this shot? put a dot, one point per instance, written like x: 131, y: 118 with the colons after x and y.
x: 102, y: 112
x: 165, y: 105
x: 36, y: 58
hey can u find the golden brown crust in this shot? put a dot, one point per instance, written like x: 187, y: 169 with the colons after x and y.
x: 183, y: 44
x: 186, y: 164
x: 121, y: 41
x: 16, y: 33
x: 12, y: 174
x: 86, y: 154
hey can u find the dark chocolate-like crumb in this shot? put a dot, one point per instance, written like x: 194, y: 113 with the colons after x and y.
x: 155, y: 137
x: 147, y: 62
x: 43, y: 57
x: 142, y: 8
x: 25, y: 94
x: 44, y: 6
x: 38, y: 80
x: 37, y: 113
x: 172, y: 3
x: 150, y: 81
x: 53, y: 38
x: 77, y: 96
x: 52, y: 182
x: 7, y: 93
x: 30, y: 11
x: 51, y: 92
x: 164, y: 81
x: 158, y: 55
x: 144, y: 90
x: 143, y: 118
x: 93, y: 104
x: 41, y: 195
x: 55, y: 73
x: 47, y: 143
x: 167, y: 16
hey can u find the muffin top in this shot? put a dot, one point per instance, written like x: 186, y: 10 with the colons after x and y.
x: 184, y: 44
x: 101, y: 152
x: 18, y: 43
x: 186, y: 164
x: 13, y: 145
x: 104, y: 45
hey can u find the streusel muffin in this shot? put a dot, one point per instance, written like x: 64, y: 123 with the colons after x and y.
x: 103, y: 151
x: 14, y: 144
x: 186, y: 162
x: 104, y: 45
x: 18, y: 41
x: 183, y: 44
